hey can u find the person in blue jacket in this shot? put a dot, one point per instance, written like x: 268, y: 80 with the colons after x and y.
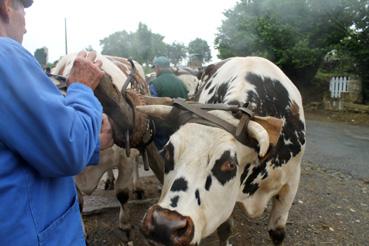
x: 45, y: 139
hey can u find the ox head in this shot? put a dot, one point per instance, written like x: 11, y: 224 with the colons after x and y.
x: 203, y: 170
x: 119, y: 108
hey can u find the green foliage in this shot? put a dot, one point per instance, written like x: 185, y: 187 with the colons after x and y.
x: 176, y: 52
x: 142, y: 45
x: 200, y: 48
x: 89, y: 48
x: 118, y: 44
x: 294, y: 34
x: 41, y: 56
x: 356, y: 42
x: 147, y: 44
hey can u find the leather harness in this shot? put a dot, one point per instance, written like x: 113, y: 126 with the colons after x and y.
x: 190, y: 112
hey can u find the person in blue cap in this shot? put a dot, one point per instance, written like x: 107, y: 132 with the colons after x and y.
x: 45, y: 139
x: 166, y: 84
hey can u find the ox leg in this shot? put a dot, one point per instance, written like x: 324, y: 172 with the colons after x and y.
x: 80, y: 199
x: 89, y: 178
x: 109, y: 183
x: 138, y: 192
x: 224, y: 231
x: 125, y: 171
x: 282, y: 203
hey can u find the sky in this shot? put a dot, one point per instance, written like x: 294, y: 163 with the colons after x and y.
x: 89, y: 21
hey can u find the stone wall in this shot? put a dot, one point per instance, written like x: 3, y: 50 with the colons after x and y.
x: 350, y: 100
x: 354, y: 94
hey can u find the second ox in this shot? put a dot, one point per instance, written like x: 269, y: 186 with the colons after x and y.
x: 208, y: 169
x: 118, y: 103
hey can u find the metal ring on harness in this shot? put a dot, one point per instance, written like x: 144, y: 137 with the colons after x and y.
x: 130, y: 103
x: 130, y: 76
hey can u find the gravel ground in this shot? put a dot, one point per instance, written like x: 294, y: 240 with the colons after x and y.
x: 331, y: 208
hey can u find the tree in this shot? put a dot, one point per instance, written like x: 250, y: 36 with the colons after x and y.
x: 294, y: 34
x: 200, y: 48
x: 147, y: 44
x: 89, y: 48
x: 118, y: 44
x: 41, y: 56
x: 176, y: 52
x: 356, y: 42
x: 141, y: 45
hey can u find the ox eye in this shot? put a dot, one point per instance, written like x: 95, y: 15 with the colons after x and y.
x: 166, y: 154
x: 228, y: 166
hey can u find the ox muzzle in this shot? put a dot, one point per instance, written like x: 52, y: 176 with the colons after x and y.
x: 162, y: 226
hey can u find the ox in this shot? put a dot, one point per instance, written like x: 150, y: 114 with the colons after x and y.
x: 117, y: 70
x: 208, y: 170
x: 189, y: 78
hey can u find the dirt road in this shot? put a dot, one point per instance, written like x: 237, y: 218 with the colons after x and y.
x: 339, y: 146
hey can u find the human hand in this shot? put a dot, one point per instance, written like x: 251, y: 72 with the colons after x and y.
x: 86, y: 70
x: 106, y: 133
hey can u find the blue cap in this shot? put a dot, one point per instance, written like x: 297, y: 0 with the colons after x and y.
x: 161, y: 61
x: 27, y: 3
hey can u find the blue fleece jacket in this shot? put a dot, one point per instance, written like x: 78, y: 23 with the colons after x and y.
x: 45, y: 139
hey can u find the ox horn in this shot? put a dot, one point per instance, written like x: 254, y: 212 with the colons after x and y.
x: 257, y: 132
x: 266, y: 130
x: 155, y: 111
x: 149, y: 100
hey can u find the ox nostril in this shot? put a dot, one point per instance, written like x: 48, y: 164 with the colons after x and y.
x: 181, y: 230
x: 168, y: 227
x: 171, y: 221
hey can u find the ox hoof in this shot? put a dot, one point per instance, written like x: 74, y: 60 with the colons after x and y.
x: 139, y: 194
x: 277, y: 235
x: 124, y: 235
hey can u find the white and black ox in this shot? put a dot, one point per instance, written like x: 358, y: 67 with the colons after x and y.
x: 207, y: 170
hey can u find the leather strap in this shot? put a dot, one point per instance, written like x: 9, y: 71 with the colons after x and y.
x: 205, y: 118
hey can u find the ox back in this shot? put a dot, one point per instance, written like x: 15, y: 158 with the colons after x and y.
x: 245, y: 81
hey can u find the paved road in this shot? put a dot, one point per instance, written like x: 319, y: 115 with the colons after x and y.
x: 339, y: 146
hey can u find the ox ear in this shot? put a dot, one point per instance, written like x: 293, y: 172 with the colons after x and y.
x: 272, y: 125
x: 156, y: 111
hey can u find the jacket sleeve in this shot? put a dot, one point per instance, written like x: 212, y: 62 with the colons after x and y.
x: 153, y: 91
x: 56, y: 135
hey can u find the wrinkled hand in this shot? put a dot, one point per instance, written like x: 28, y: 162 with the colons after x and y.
x: 106, y: 133
x: 86, y: 70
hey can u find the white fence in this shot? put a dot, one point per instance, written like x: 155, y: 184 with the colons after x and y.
x: 337, y: 85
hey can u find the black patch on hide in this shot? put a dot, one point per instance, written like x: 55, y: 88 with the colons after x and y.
x: 249, y: 186
x: 179, y: 184
x: 272, y: 99
x: 224, y: 176
x: 208, y: 183
x: 197, y: 195
x: 245, y: 172
x: 174, y: 201
x: 219, y: 94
